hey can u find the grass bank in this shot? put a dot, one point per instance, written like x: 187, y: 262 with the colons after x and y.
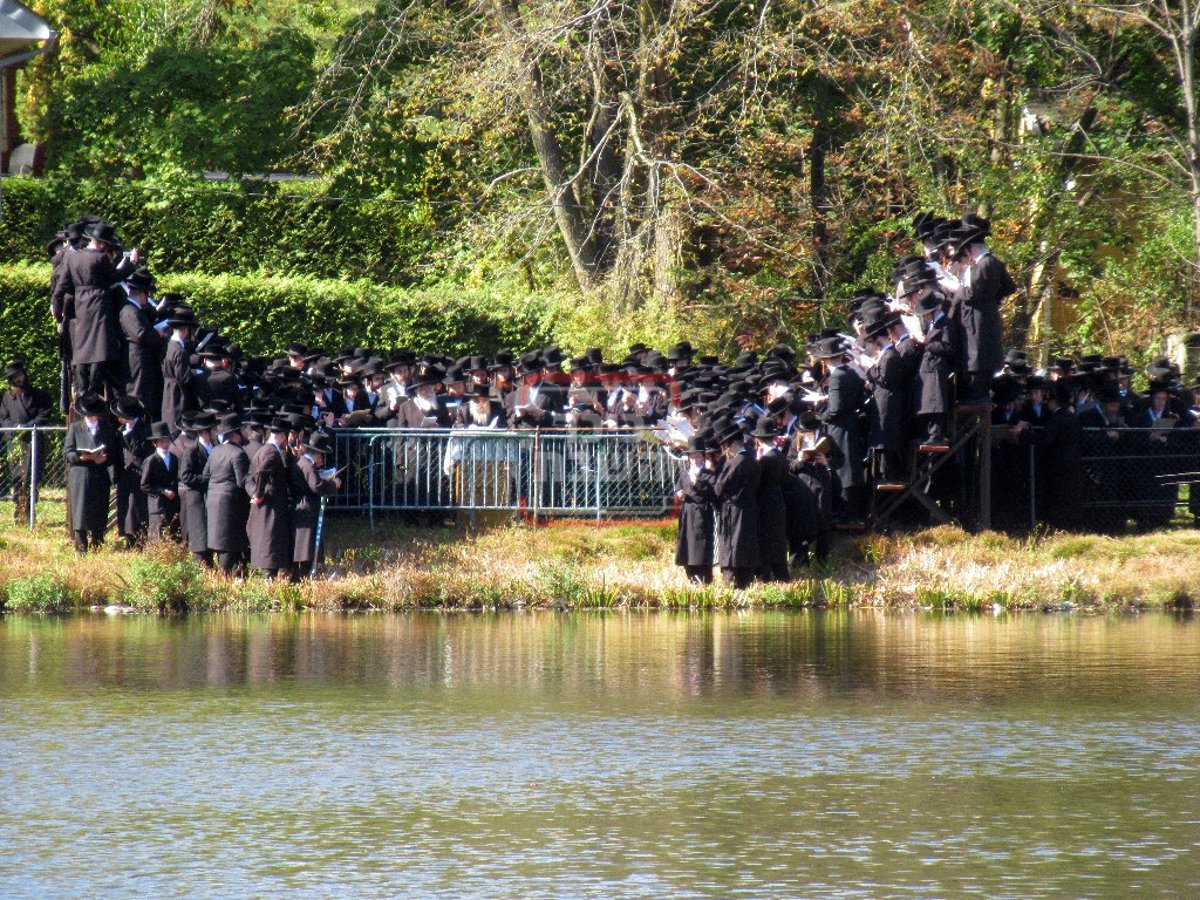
x: 619, y: 564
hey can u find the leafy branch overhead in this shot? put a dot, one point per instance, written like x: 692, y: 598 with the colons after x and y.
x: 729, y: 169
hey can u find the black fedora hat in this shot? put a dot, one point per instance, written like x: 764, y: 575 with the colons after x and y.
x: 159, y: 431
x: 698, y: 444
x: 101, y: 231
x: 478, y: 392
x: 930, y: 303
x: 279, y: 424
x: 228, y: 423
x: 318, y: 442
x: 141, y: 280
x: 765, y: 428
x: 829, y: 348
x: 183, y: 318
x: 90, y: 404
x: 127, y: 407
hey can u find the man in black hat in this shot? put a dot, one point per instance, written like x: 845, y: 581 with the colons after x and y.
x: 90, y: 277
x: 736, y: 490
x: 141, y: 363
x: 310, y: 481
x: 270, y: 524
x: 984, y: 282
x: 90, y: 449
x: 196, y: 445
x: 772, y: 511
x: 697, y: 502
x: 219, y: 383
x: 227, y: 508
x: 935, y: 387
x: 536, y: 403
x: 179, y: 391
x: 22, y: 406
x: 160, y: 485
x: 892, y: 378
x: 845, y: 394
x: 134, y: 431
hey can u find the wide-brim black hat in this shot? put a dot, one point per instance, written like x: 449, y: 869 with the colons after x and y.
x: 160, y: 430
x: 185, y: 319
x: 101, y: 231
x: 930, y: 303
x: 90, y: 405
x: 765, y: 428
x: 318, y: 442
x: 829, y: 348
x: 697, y: 444
x: 127, y: 407
x: 279, y: 424
x: 141, y: 280
x: 877, y: 326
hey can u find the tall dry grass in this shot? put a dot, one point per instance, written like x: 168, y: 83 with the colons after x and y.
x: 616, y: 564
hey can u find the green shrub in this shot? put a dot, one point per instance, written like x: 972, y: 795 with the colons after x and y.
x: 264, y: 313
x: 46, y: 592
x: 167, y: 581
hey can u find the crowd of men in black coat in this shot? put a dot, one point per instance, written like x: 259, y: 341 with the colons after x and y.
x: 228, y: 452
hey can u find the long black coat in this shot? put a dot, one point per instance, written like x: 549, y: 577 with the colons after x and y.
x: 89, y: 483
x: 157, y: 477
x: 90, y: 276
x: 696, y: 537
x: 132, y: 510
x: 179, y: 392
x: 307, y: 489
x: 193, y: 485
x: 226, y: 504
x: 978, y: 311
x: 736, y: 489
x: 843, y: 422
x: 772, y: 509
x: 935, y: 391
x: 141, y: 363
x: 892, y: 379
x: 270, y: 525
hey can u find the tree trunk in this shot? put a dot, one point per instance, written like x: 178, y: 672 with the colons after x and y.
x: 573, y: 224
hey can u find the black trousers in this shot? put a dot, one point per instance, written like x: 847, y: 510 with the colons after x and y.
x: 739, y: 577
x: 228, y: 561
x: 699, y: 574
x: 81, y: 540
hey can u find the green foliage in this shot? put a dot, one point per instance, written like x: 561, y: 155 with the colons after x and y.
x: 166, y: 581
x: 265, y: 313
x: 239, y: 227
x: 46, y: 592
x: 26, y: 326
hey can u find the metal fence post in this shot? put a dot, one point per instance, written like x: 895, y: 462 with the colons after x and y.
x: 33, y: 478
x: 536, y: 473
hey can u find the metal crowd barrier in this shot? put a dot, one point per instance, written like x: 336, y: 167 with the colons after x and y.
x: 570, y: 473
x: 33, y: 474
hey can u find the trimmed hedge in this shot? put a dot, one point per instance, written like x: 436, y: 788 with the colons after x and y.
x: 291, y: 228
x: 264, y: 313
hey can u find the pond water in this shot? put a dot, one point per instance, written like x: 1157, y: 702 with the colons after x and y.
x: 599, y: 755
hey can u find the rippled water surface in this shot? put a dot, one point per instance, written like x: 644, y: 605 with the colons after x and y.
x: 600, y: 755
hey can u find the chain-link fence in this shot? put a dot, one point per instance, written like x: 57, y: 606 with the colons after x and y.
x: 574, y: 473
x: 1147, y: 476
x: 33, y: 476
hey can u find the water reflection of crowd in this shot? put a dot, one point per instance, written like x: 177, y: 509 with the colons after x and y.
x: 230, y: 453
